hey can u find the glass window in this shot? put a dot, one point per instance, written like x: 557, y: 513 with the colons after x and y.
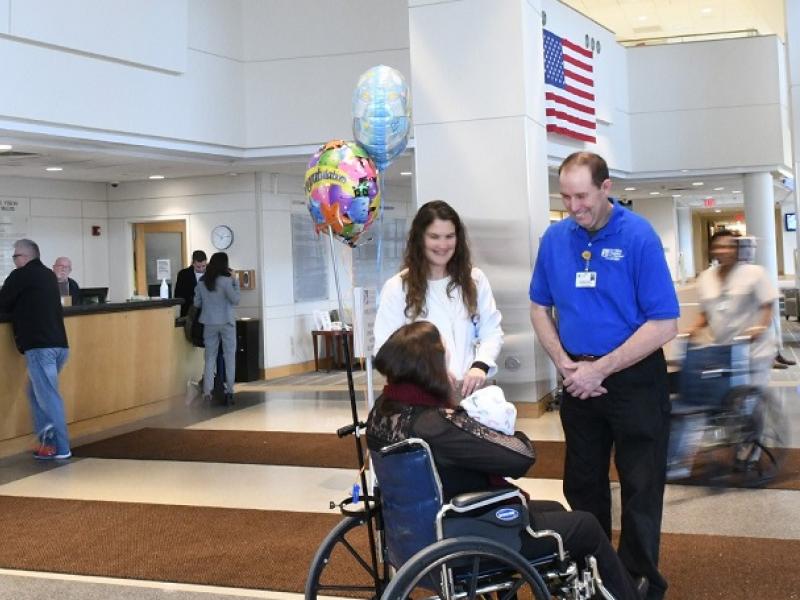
x: 309, y: 261
x: 366, y: 270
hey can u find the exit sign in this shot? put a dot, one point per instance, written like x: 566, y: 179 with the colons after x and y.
x: 708, y: 202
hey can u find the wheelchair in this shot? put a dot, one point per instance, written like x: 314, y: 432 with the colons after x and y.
x: 424, y: 548
x: 725, y: 432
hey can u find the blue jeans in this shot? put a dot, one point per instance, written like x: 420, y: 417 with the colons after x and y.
x: 47, y: 406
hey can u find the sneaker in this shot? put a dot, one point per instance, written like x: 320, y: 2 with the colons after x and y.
x: 674, y: 473
x: 47, y: 452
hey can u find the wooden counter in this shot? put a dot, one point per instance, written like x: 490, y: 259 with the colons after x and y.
x: 126, y: 362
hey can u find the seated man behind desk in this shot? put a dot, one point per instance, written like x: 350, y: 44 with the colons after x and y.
x: 188, y: 278
x: 66, y: 285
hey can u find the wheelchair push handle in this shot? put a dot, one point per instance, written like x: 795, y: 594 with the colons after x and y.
x: 350, y: 429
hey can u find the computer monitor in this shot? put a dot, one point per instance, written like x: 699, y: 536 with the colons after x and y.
x: 790, y: 221
x: 154, y: 289
x: 96, y: 295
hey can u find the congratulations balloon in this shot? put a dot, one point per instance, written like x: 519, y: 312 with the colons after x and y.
x: 382, y: 114
x: 342, y: 190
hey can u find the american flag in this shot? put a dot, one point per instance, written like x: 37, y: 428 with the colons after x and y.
x: 569, y: 88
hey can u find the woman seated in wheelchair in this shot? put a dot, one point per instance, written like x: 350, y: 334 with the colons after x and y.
x: 418, y: 402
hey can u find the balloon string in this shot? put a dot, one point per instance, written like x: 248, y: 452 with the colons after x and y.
x: 379, y: 245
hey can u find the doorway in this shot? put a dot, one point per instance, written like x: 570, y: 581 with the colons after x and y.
x: 733, y: 220
x: 159, y: 252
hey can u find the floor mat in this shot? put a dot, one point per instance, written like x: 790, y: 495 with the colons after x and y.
x: 273, y: 549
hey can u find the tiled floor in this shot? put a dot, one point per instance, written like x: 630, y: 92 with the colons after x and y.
x: 270, y: 407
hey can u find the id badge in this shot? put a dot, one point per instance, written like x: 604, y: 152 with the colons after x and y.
x: 585, y: 279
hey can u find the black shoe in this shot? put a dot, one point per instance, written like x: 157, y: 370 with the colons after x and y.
x: 228, y: 399
x: 784, y: 361
x: 779, y: 365
x: 641, y: 584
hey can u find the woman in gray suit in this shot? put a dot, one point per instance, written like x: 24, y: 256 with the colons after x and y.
x: 216, y: 295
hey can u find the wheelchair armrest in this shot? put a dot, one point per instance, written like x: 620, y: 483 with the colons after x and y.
x: 473, y: 500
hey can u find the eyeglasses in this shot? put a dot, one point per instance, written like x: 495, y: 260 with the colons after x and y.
x: 16, y: 255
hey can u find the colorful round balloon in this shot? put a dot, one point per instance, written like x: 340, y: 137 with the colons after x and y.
x: 382, y: 114
x: 343, y: 190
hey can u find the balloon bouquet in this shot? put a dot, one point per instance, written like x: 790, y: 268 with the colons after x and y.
x: 342, y: 180
x: 342, y: 184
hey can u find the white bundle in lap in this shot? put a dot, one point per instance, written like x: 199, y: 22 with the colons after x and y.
x: 489, y: 406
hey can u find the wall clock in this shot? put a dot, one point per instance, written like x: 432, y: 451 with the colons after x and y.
x: 222, y: 237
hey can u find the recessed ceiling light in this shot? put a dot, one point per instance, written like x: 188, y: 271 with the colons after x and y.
x: 736, y: 191
x: 684, y: 170
x: 642, y: 17
x: 156, y: 177
x: 697, y: 183
x: 718, y: 189
x: 676, y: 195
x: 233, y: 174
x: 54, y: 169
x: 5, y: 147
x: 630, y: 189
x: 706, y: 10
x: 406, y: 173
x: 654, y: 193
x: 717, y: 210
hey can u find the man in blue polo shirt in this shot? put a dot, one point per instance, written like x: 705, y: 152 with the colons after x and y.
x: 603, y: 270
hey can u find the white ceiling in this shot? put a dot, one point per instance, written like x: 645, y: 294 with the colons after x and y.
x: 647, y: 19
x: 718, y: 193
x: 104, y: 162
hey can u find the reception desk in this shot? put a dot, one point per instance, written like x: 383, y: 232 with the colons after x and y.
x: 126, y: 361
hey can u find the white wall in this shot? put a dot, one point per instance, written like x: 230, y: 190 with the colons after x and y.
x: 663, y: 218
x: 229, y: 74
x: 789, y: 240
x: 258, y: 207
x: 203, y: 202
x: 126, y: 75
x: 59, y: 216
x: 287, y: 324
x: 303, y: 59
x: 611, y: 89
x: 151, y: 33
x: 707, y: 105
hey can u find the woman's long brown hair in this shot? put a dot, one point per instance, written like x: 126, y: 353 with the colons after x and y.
x: 415, y: 354
x: 459, y: 268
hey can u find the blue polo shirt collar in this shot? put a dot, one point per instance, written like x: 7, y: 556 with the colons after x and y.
x: 613, y: 226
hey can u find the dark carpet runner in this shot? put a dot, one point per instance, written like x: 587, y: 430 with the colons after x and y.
x: 306, y: 450
x: 272, y: 549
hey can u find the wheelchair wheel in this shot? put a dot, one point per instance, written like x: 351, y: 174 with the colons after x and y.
x: 467, y: 568
x: 341, y: 566
x: 745, y: 443
x: 762, y: 453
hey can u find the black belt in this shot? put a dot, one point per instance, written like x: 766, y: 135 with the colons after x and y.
x: 584, y: 357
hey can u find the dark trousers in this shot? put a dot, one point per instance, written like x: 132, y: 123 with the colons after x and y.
x: 582, y: 536
x: 633, y: 418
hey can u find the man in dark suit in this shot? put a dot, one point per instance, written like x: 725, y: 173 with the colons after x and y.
x: 66, y: 285
x: 188, y: 278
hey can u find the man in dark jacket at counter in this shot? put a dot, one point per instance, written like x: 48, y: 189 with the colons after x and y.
x: 30, y: 294
x: 188, y: 278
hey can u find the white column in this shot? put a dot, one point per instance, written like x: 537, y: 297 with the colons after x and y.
x: 792, y: 20
x: 685, y: 245
x: 759, y: 213
x: 480, y: 138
